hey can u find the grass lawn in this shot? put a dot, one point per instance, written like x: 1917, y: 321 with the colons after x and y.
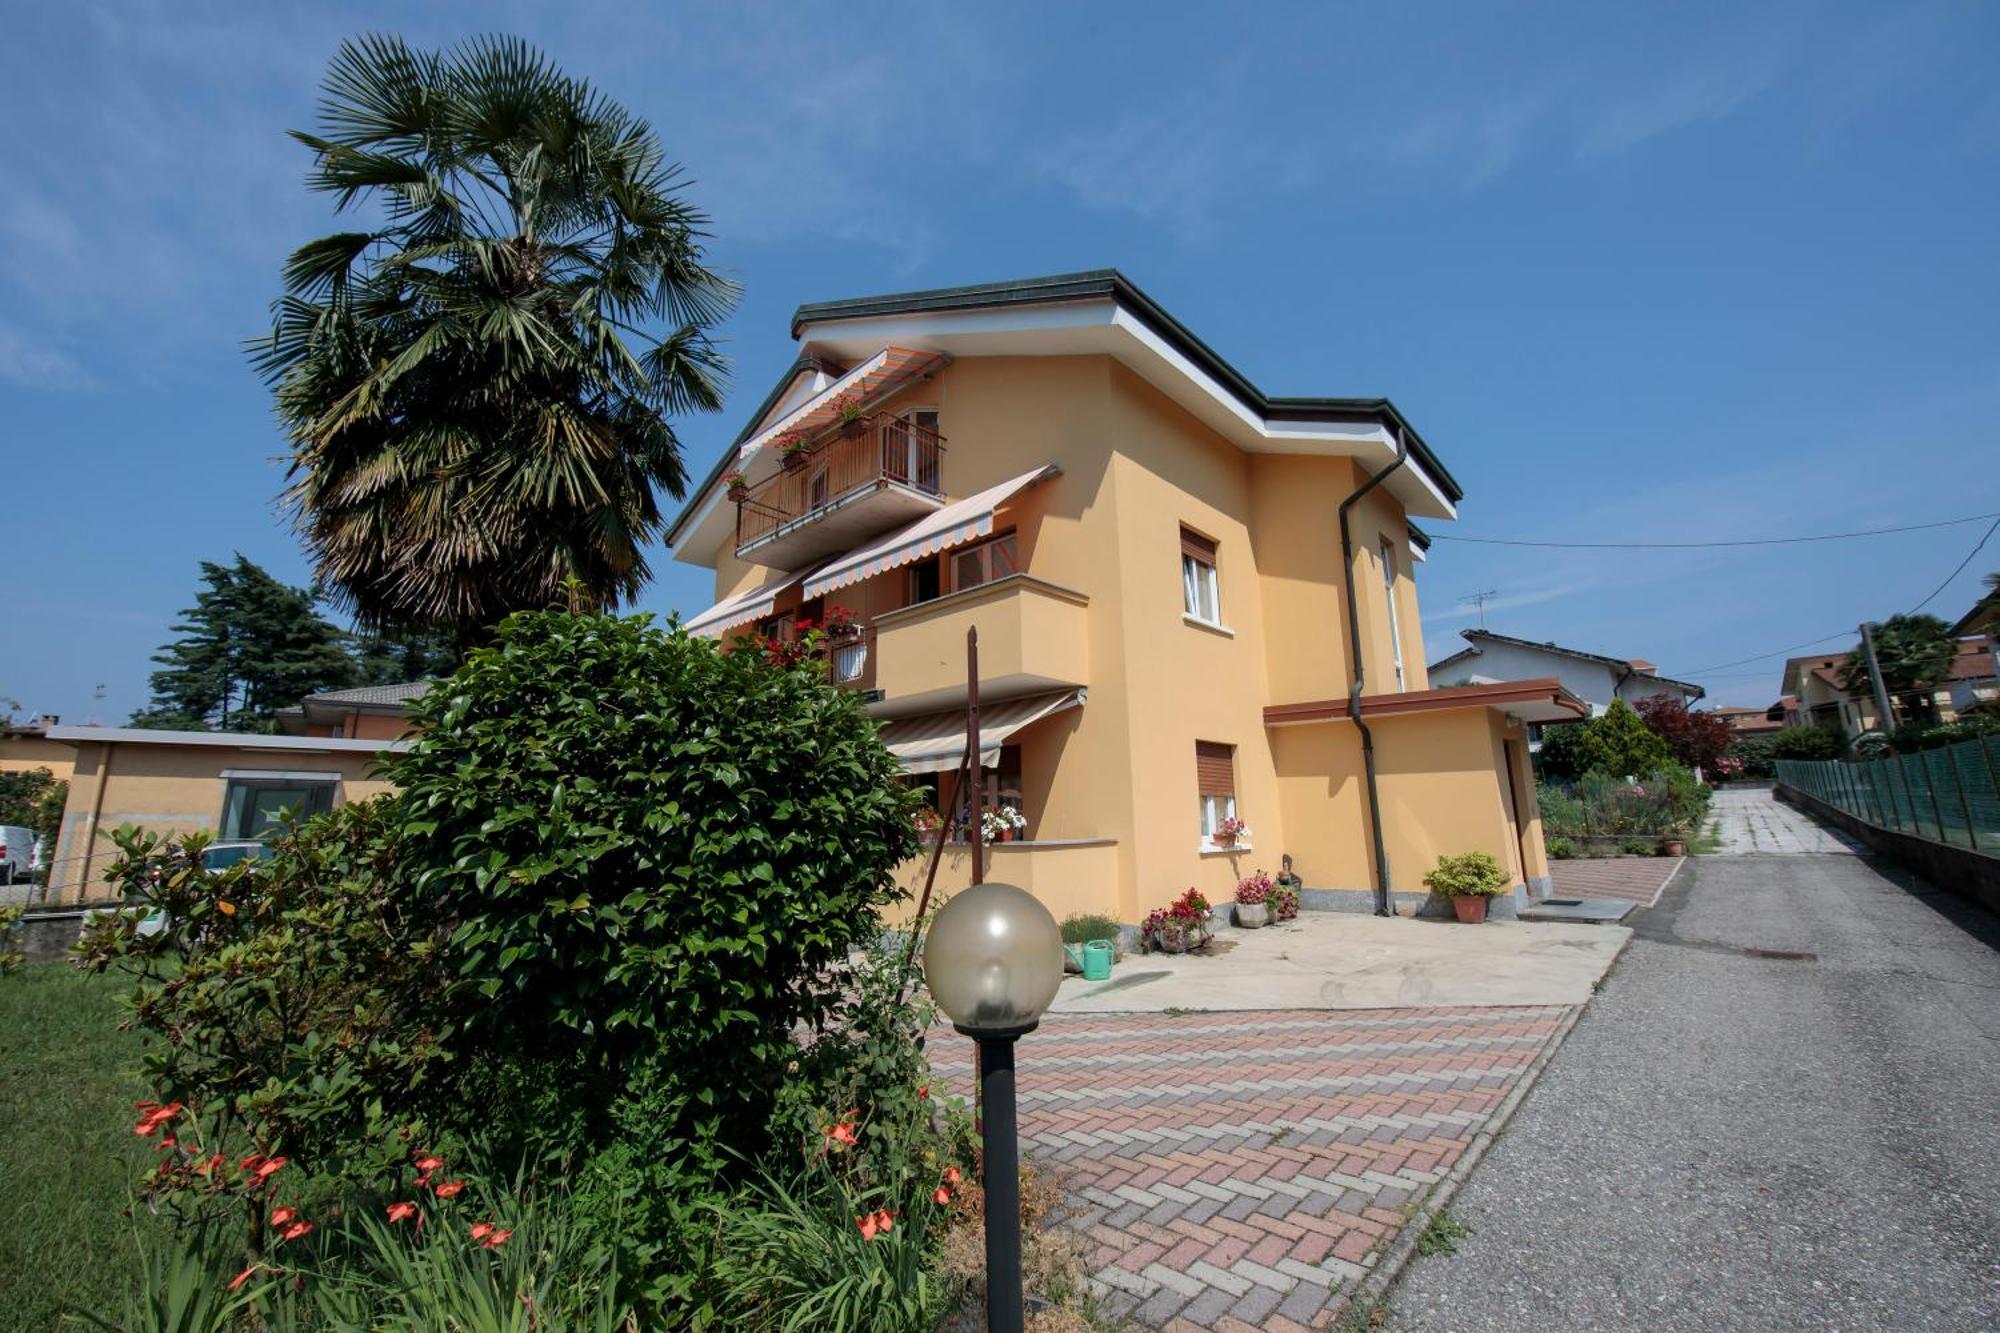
x: 68, y: 1079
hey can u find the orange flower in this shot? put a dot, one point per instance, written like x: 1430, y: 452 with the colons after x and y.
x: 280, y: 1216
x: 270, y: 1166
x: 497, y: 1239
x: 250, y: 1163
x: 154, y: 1117
x: 885, y: 1219
x: 208, y: 1168
x: 951, y: 1175
x: 843, y: 1133
x: 402, y: 1212
x: 243, y: 1276
x: 427, y: 1163
x: 869, y: 1226
x: 924, y: 1091
x: 225, y: 907
x: 943, y: 1196
x: 481, y: 1230
x: 450, y: 1189
x: 295, y: 1230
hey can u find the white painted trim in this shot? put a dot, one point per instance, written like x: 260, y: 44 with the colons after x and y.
x: 277, y: 775
x: 1212, y: 626
x: 235, y: 740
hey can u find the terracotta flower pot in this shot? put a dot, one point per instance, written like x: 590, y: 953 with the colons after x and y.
x: 794, y: 462
x: 1674, y: 847
x: 1470, y: 908
x: 1223, y: 839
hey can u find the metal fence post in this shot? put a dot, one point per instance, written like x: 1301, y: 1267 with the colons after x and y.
x: 1895, y: 761
x: 1874, y: 768
x: 1930, y: 788
x: 1964, y: 802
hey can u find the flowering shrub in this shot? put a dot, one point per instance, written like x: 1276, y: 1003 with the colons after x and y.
x: 1253, y: 889
x: 1285, y: 893
x: 1180, y: 926
x: 1669, y: 803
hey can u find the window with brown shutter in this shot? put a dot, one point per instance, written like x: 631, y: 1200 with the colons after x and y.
x: 1201, y: 586
x: 1198, y: 546
x: 1215, y: 782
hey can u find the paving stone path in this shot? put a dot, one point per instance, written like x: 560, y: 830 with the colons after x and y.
x: 1239, y: 1171
x: 1636, y: 879
x: 1753, y: 822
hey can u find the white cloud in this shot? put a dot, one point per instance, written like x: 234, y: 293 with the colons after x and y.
x: 34, y: 365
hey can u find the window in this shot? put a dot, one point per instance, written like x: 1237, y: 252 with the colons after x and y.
x: 1215, y: 780
x: 850, y: 659
x: 255, y: 807
x: 1201, y: 593
x: 989, y: 560
x: 925, y: 582
x: 816, y: 488
x: 909, y: 448
x: 1388, y: 555
x: 996, y: 787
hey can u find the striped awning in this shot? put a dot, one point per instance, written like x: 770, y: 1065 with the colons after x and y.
x: 741, y: 608
x: 935, y: 742
x: 881, y: 374
x: 957, y: 523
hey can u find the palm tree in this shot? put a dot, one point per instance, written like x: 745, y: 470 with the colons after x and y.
x: 477, y: 388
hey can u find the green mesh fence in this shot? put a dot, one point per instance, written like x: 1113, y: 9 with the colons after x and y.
x: 1951, y: 793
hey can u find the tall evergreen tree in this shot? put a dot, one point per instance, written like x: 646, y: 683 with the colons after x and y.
x: 249, y: 646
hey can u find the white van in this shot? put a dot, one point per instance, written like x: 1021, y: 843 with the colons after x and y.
x: 17, y: 854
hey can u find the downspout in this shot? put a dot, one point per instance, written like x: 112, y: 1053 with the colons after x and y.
x: 1359, y: 675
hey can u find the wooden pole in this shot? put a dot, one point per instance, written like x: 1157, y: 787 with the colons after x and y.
x: 976, y: 834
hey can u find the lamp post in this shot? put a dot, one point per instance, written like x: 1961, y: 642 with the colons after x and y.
x: 993, y: 961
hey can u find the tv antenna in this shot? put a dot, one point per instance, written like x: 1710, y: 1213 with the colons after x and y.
x: 1480, y: 599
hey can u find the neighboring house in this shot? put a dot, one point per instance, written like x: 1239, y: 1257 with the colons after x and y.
x: 1151, y: 551
x: 366, y: 712
x: 230, y: 784
x: 1753, y: 721
x: 1970, y: 686
x: 1592, y: 677
x: 26, y: 746
x: 1818, y: 699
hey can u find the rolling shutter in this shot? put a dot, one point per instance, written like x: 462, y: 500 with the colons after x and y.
x: 1215, y: 769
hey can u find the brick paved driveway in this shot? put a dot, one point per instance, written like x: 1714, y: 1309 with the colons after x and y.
x: 1636, y: 879
x: 1239, y: 1171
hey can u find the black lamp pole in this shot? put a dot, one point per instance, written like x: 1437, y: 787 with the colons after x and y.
x: 1002, y: 1175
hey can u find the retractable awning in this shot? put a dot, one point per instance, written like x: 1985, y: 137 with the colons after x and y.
x: 957, y: 523
x: 879, y: 375
x: 935, y: 742
x: 741, y: 608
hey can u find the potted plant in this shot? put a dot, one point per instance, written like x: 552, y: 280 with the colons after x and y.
x: 1284, y: 897
x: 1230, y: 831
x: 1001, y: 823
x: 1469, y: 880
x: 1179, y: 927
x: 853, y: 418
x: 928, y: 822
x: 1674, y: 845
x: 793, y: 450
x: 737, y: 487
x: 1253, y: 901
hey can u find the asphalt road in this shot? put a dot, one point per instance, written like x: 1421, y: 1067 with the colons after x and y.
x: 1730, y: 1143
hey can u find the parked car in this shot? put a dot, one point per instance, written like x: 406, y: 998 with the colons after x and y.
x: 17, y: 853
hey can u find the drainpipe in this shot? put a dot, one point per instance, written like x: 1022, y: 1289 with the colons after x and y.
x: 1359, y: 675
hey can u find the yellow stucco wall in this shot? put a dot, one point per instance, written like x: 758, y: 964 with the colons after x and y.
x: 169, y: 788
x: 21, y: 754
x: 1119, y: 773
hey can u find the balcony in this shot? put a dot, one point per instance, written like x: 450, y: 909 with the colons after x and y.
x: 1033, y: 636
x: 856, y: 482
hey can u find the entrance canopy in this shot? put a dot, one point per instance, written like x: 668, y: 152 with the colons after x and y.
x: 935, y: 742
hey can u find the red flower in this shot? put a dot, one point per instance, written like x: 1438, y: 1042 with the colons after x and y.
x: 208, y: 1168
x: 295, y: 1230
x: 885, y: 1219
x: 154, y: 1117
x: 943, y: 1196
x: 428, y: 1163
x: 270, y: 1166
x: 402, y: 1212
x: 868, y: 1226
x: 924, y: 1091
x: 450, y: 1189
x: 843, y: 1133
x: 497, y: 1238
x: 480, y: 1230
x: 951, y: 1175
x: 243, y: 1276
x: 250, y: 1163
x: 280, y: 1216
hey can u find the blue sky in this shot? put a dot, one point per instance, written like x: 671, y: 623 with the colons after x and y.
x: 1638, y: 273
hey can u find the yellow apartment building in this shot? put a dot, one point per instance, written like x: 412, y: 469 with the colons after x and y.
x: 1193, y: 601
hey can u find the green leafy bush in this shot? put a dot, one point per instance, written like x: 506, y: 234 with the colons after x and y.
x: 1560, y: 849
x: 1083, y: 927
x: 1802, y: 742
x: 1617, y: 744
x: 1467, y: 875
x: 1668, y: 802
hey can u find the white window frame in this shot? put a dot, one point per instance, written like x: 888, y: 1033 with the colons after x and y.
x: 849, y: 660
x: 1199, y: 579
x: 1387, y: 555
x: 1215, y: 809
x: 984, y: 549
